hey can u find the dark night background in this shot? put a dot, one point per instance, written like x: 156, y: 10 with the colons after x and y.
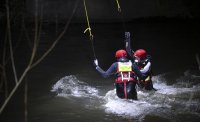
x: 167, y: 29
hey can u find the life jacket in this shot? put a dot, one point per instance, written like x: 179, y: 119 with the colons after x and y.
x: 124, y: 72
x: 141, y: 66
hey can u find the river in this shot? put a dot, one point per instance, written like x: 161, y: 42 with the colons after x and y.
x: 65, y: 87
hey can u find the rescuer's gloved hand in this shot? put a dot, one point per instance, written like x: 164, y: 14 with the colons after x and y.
x: 127, y: 35
x: 95, y: 62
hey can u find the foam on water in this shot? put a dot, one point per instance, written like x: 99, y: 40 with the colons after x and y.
x: 124, y: 107
x: 71, y: 86
x: 159, y: 102
x: 166, y: 99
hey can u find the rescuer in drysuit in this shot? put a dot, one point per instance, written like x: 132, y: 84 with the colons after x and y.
x: 143, y: 62
x: 126, y: 73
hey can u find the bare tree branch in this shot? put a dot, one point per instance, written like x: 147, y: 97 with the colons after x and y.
x: 58, y: 38
x: 14, y: 89
x: 10, y: 41
x: 30, y: 65
x: 36, y: 33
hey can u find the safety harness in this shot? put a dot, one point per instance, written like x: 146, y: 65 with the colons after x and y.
x: 124, y: 71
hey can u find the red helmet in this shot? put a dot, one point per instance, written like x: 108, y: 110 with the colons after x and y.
x: 120, y: 53
x: 140, y: 53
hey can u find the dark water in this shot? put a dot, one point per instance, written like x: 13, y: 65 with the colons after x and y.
x: 65, y: 87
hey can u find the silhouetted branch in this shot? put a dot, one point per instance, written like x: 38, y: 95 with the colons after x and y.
x: 10, y: 41
x: 58, y: 38
x: 13, y: 90
x: 31, y: 64
x: 36, y: 34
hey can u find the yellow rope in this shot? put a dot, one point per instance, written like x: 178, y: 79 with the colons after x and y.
x: 88, y: 22
x: 118, y: 6
x: 89, y: 29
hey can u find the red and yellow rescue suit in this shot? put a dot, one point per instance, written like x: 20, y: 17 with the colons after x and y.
x: 125, y: 81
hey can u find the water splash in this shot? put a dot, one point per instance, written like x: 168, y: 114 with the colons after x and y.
x: 124, y: 107
x: 167, y: 101
x: 71, y: 86
x: 162, y: 102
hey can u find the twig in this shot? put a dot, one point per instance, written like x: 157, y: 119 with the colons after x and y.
x: 29, y: 67
x: 7, y: 58
x: 14, y: 89
x: 10, y: 41
x: 58, y: 38
x: 36, y: 34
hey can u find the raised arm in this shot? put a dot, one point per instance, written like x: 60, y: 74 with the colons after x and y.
x: 128, y: 45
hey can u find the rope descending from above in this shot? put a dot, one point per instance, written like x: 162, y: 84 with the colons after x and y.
x: 89, y: 29
x: 121, y: 16
x: 118, y: 6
